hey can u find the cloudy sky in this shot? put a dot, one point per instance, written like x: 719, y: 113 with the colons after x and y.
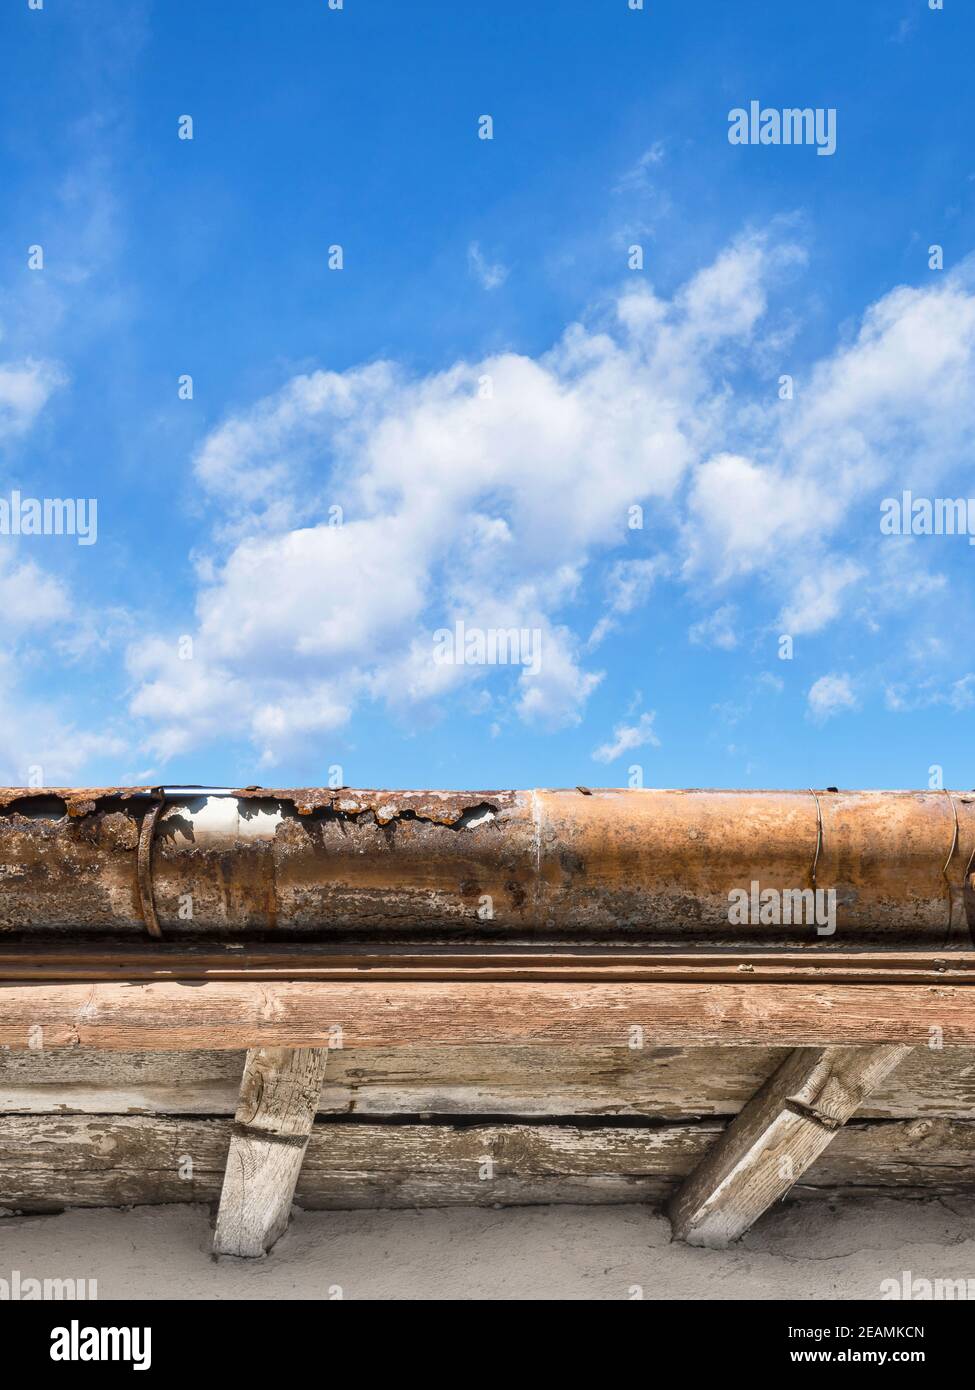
x: 341, y: 374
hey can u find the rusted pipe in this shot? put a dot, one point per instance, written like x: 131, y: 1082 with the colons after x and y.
x: 647, y: 865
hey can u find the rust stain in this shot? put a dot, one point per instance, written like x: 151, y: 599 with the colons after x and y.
x: 578, y: 864
x: 439, y: 808
x: 79, y: 801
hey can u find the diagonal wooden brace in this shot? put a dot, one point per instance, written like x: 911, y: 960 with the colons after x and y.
x: 778, y: 1135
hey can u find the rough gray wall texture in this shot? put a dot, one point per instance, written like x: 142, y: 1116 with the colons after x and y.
x: 839, y: 1249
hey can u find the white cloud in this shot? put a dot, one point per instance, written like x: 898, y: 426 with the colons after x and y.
x: 555, y: 697
x: 735, y: 710
x: 741, y: 514
x: 899, y: 579
x: 266, y: 456
x: 829, y: 695
x: 37, y: 742
x: 902, y: 698
x: 817, y: 597
x: 63, y: 313
x: 190, y: 701
x: 962, y: 693
x: 637, y: 177
x: 486, y: 491
x: 627, y: 586
x: 626, y: 737
x: 718, y: 630
x: 29, y: 598
x: 458, y: 503
x: 894, y: 408
x: 491, y: 275
x: 25, y: 389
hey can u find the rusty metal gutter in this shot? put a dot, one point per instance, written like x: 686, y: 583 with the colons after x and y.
x: 322, y: 865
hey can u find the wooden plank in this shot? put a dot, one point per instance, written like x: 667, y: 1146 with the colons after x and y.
x: 279, y: 1095
x: 44, y: 961
x: 518, y: 1081
x: 49, y: 1162
x: 304, y: 1014
x: 659, y: 1082
x: 776, y: 1137
x: 120, y: 1083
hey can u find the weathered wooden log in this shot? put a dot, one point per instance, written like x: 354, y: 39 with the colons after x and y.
x: 50, y: 1162
x: 279, y: 1095
x: 525, y: 1082
x: 317, y: 1014
x: 660, y: 865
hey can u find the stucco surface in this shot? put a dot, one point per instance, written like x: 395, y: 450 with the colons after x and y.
x: 839, y: 1249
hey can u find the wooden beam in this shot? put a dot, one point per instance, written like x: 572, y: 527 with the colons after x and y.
x: 775, y: 1138
x: 48, y: 1162
x: 174, y: 1017
x: 668, y: 1083
x: 279, y: 1096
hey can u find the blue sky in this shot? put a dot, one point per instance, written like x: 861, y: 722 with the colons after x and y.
x: 486, y: 389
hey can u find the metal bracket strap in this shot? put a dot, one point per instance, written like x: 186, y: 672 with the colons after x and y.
x: 145, y: 866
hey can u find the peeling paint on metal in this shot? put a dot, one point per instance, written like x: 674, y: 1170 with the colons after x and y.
x: 651, y: 864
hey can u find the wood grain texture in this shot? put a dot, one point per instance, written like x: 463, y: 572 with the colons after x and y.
x: 279, y: 1095
x: 73, y: 1081
x: 660, y: 1082
x: 49, y: 1162
x: 305, y: 1014
x: 778, y: 1135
